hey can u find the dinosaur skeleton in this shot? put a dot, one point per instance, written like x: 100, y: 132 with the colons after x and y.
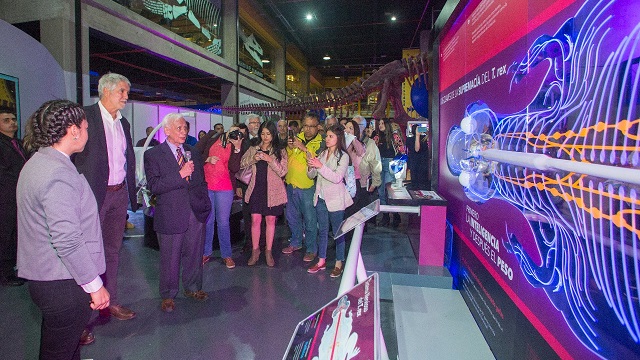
x: 387, y: 80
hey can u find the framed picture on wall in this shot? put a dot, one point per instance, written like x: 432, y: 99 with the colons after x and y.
x: 10, y: 95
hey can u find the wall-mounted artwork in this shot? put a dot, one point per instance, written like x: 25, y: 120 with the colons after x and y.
x: 199, y: 21
x: 9, y: 95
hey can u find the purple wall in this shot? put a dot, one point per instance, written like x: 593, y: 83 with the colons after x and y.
x: 547, y: 257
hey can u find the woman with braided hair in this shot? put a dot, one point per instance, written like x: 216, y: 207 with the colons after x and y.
x: 60, y: 247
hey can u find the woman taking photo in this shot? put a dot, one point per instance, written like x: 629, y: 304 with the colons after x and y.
x: 60, y: 247
x: 418, y: 161
x: 216, y: 149
x: 367, y: 168
x: 266, y: 194
x: 383, y: 137
x: 331, y: 197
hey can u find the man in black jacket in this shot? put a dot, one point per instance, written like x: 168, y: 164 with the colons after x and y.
x: 108, y: 162
x: 12, y: 159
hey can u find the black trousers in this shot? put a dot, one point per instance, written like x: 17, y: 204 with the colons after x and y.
x: 65, y: 313
x: 8, y: 238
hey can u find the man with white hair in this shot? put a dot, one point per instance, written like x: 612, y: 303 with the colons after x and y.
x: 329, y: 121
x: 108, y: 162
x: 253, y: 122
x: 362, y: 124
x: 175, y: 174
x: 283, y: 130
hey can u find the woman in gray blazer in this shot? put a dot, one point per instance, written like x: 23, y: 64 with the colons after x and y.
x: 60, y: 247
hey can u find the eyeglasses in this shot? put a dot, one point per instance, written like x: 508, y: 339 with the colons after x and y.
x: 254, y: 122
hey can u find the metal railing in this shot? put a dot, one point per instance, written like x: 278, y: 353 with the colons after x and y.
x: 354, y: 266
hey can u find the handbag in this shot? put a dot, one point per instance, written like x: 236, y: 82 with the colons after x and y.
x: 244, y: 175
x: 350, y: 181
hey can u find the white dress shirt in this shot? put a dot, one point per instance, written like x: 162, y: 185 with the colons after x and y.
x: 116, y: 145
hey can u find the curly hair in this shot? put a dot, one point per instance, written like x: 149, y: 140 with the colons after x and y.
x: 50, y: 122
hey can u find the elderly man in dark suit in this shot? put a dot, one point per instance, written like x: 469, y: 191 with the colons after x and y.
x: 175, y: 174
x: 108, y: 162
x: 12, y: 159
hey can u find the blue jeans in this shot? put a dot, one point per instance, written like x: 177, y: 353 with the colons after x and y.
x: 326, y: 217
x: 221, y: 202
x: 386, y: 177
x: 300, y: 208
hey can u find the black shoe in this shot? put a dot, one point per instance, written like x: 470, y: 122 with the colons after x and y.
x: 11, y: 280
x: 396, y: 221
x: 385, y: 220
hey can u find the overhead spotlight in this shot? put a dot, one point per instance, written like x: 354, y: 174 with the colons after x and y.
x: 337, y: 77
x: 393, y: 18
x: 265, y: 61
x: 326, y: 57
x: 309, y: 16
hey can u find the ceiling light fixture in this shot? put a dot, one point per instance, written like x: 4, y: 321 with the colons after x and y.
x: 265, y: 61
x: 393, y: 18
x: 326, y: 57
x: 309, y: 16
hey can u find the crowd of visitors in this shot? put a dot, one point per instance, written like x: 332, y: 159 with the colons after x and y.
x: 312, y: 174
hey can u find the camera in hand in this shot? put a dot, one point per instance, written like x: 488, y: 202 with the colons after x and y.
x: 236, y: 134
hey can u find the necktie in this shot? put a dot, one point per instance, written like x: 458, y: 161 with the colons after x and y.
x: 14, y: 142
x: 181, y: 160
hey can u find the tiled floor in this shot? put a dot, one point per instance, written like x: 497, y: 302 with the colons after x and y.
x: 251, y: 312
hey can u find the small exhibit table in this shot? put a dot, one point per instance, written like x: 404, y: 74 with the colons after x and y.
x: 429, y: 247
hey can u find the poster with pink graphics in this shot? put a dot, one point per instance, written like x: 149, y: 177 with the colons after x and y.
x: 346, y: 328
x: 539, y: 158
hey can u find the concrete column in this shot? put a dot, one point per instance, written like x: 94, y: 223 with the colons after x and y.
x: 305, y: 80
x: 230, y: 31
x: 229, y: 97
x: 58, y: 36
x: 86, y: 79
x: 279, y: 59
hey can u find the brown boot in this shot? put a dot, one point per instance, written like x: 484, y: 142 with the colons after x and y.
x: 269, y: 257
x: 255, y: 254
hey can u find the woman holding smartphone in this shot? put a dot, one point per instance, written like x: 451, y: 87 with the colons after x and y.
x: 266, y: 194
x: 419, y: 162
x: 331, y: 197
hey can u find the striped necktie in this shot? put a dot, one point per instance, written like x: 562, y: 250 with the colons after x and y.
x: 181, y: 160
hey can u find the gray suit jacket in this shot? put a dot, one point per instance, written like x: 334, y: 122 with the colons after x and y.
x: 59, y: 234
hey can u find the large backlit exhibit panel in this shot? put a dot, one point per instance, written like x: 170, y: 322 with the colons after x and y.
x: 540, y: 163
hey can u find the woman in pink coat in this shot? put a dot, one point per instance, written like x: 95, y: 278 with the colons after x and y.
x: 331, y: 197
x: 266, y: 194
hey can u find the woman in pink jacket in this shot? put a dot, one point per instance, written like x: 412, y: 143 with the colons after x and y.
x: 266, y: 194
x: 331, y: 197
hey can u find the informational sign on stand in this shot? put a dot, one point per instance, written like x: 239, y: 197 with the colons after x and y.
x: 346, y: 328
x: 358, y: 218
